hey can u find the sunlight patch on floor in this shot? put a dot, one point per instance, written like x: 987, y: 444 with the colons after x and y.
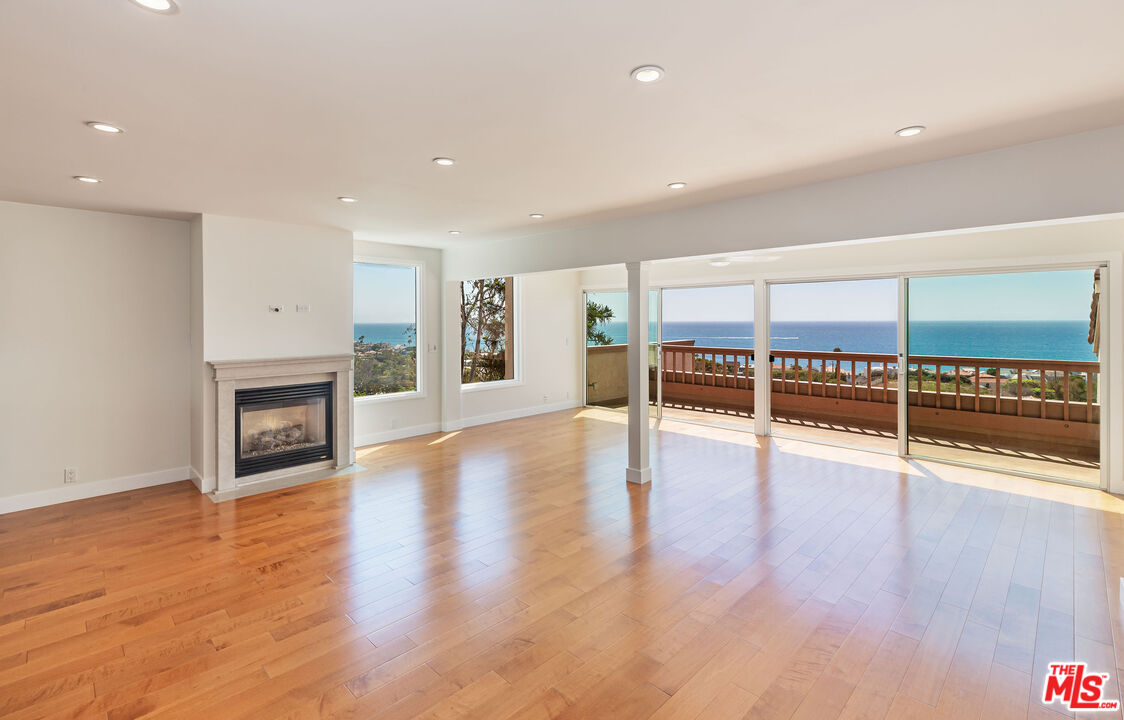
x: 1091, y: 498
x: 446, y: 436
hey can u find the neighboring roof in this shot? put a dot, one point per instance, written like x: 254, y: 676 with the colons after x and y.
x: 1095, y: 315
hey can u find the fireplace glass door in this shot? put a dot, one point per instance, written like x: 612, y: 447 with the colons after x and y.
x: 279, y: 427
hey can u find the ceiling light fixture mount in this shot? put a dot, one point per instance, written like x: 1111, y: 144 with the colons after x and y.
x: 536, y: 216
x: 444, y: 161
x: 647, y: 73
x: 910, y: 131
x: 454, y: 232
x: 677, y: 185
x: 104, y: 127
x: 87, y: 179
x: 347, y: 199
x: 164, y: 7
x: 719, y: 263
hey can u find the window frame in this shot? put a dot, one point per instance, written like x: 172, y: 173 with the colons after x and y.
x: 516, y: 347
x: 419, y: 326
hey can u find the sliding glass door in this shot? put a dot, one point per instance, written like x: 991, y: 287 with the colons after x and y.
x: 1004, y: 372
x: 707, y: 355
x: 833, y: 355
x: 606, y: 354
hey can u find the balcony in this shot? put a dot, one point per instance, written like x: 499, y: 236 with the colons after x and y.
x: 1038, y: 416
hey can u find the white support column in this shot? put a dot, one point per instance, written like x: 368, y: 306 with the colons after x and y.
x: 451, y: 418
x: 639, y: 470
x: 762, y: 369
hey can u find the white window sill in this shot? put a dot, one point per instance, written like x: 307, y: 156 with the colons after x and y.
x: 493, y: 385
x: 389, y: 397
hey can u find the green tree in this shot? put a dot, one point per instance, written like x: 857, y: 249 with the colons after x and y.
x: 595, y: 316
x: 483, y: 323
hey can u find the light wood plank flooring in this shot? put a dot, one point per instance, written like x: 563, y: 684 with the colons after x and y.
x: 508, y: 571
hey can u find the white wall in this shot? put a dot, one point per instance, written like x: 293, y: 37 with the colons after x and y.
x: 251, y: 264
x: 1042, y: 244
x: 550, y: 320
x: 388, y: 417
x: 1073, y: 176
x: 240, y: 268
x: 202, y: 390
x: 93, y: 352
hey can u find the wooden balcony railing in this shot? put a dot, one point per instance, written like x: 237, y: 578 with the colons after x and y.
x: 1029, y: 404
x: 713, y: 366
x: 1043, y: 389
x: 853, y: 376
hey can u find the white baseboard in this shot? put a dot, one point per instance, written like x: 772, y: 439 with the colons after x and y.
x: 196, y: 479
x: 518, y: 413
x: 81, y: 491
x: 362, y: 440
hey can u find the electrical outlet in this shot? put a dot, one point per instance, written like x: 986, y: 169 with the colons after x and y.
x: 70, y: 475
x: 545, y: 398
x: 393, y: 423
x: 304, y: 308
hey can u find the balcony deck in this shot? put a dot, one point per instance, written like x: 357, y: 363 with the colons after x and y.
x: 976, y: 410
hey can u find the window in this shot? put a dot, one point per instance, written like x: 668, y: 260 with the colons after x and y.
x: 385, y: 329
x: 487, y: 330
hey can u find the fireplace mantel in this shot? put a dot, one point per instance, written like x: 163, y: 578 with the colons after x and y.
x: 232, y: 375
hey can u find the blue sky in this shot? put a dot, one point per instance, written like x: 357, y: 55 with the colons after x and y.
x: 384, y: 294
x: 1044, y: 296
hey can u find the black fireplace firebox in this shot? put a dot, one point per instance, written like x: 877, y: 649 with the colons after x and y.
x: 281, y: 427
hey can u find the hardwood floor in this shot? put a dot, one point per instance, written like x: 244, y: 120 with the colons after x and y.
x: 508, y: 571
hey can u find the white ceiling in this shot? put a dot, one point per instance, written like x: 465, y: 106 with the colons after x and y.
x: 272, y: 108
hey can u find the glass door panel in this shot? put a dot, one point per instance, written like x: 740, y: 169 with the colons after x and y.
x: 606, y: 354
x: 1004, y: 373
x: 834, y: 362
x: 707, y: 353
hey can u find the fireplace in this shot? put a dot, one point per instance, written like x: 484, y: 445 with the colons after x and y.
x: 282, y: 426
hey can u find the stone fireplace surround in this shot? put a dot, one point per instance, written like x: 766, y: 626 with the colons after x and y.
x: 240, y: 374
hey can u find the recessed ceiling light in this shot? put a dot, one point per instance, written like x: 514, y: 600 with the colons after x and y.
x: 719, y: 263
x: 536, y: 216
x: 910, y: 131
x: 347, y: 199
x: 105, y: 127
x: 677, y: 185
x: 161, y: 6
x: 647, y: 73
x: 444, y: 161
x: 87, y: 179
x: 454, y: 232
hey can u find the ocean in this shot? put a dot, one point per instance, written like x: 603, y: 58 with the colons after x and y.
x: 1037, y: 340
x: 392, y: 333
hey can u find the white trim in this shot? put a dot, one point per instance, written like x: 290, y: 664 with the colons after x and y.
x: 375, y: 438
x: 421, y: 349
x: 516, y: 347
x: 387, y: 397
x: 903, y: 367
x: 81, y: 491
x: 196, y: 479
x: 491, y: 385
x: 518, y: 413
